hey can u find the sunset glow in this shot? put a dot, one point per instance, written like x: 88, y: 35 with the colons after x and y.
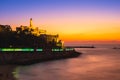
x: 73, y: 20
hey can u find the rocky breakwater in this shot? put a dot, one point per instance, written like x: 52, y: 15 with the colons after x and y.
x: 25, y: 58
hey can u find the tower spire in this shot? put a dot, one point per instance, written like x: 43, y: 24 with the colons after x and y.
x: 30, y: 22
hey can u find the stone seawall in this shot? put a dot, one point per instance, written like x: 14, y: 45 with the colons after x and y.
x: 25, y: 58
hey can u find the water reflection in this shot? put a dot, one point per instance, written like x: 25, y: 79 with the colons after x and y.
x: 95, y: 64
x: 8, y: 72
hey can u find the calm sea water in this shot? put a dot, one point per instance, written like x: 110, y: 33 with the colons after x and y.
x: 100, y: 63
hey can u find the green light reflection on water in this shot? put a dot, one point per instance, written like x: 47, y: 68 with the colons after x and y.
x: 16, y: 73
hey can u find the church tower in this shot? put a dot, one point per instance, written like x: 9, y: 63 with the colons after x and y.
x: 31, y: 23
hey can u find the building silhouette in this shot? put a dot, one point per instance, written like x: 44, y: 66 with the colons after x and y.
x: 28, y: 36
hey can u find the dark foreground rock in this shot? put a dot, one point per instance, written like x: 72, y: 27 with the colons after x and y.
x: 26, y: 58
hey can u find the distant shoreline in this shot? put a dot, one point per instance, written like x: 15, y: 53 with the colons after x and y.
x: 80, y: 46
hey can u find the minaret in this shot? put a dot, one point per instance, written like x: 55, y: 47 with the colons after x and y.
x: 31, y: 23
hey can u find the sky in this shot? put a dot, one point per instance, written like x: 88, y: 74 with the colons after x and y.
x: 73, y: 20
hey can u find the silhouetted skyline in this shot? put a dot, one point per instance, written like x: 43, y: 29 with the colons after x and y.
x: 86, y: 19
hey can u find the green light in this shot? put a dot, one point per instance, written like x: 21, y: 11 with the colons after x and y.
x: 52, y: 49
x: 69, y: 49
x: 16, y: 49
x: 27, y: 49
x: 57, y: 49
x: 61, y: 49
x: 39, y: 49
x: 7, y: 49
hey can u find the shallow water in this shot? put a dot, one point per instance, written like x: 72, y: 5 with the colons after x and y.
x: 101, y: 63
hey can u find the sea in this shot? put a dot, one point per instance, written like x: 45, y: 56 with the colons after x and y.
x: 100, y: 63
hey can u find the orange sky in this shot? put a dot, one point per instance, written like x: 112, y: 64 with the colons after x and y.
x: 80, y: 27
x: 75, y: 20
